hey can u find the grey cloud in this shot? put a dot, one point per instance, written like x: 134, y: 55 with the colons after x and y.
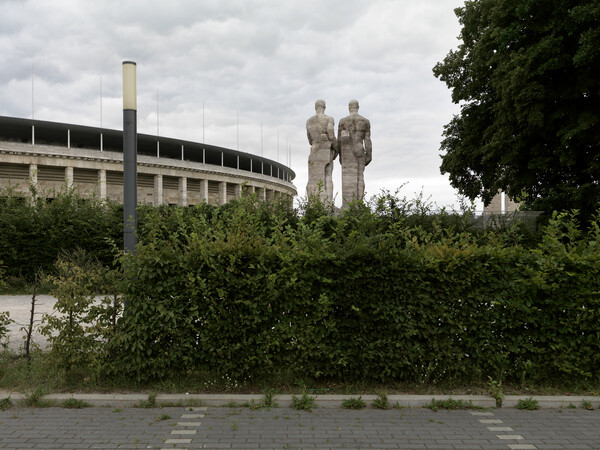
x: 268, y: 60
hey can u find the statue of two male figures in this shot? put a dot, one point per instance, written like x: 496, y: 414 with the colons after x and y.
x: 353, y: 146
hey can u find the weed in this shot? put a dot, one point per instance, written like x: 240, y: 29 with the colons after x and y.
x: 381, y: 402
x: 234, y: 425
x: 397, y: 405
x: 253, y: 405
x: 268, y: 399
x: 72, y: 403
x: 496, y: 391
x: 305, y: 403
x: 450, y: 404
x: 149, y: 403
x: 117, y: 410
x: 571, y: 406
x: 235, y: 405
x: 354, y: 403
x: 6, y: 403
x: 163, y: 417
x: 528, y: 403
x: 585, y: 404
x: 35, y: 399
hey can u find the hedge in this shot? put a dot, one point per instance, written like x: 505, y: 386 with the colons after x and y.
x: 34, y: 233
x: 342, y: 297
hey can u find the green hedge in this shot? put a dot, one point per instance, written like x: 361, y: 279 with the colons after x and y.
x: 344, y: 297
x: 34, y: 233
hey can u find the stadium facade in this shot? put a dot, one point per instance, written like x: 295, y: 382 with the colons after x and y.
x: 170, y: 171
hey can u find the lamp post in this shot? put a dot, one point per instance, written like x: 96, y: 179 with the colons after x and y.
x: 129, y: 156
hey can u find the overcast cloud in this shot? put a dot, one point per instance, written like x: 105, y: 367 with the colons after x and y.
x: 264, y: 61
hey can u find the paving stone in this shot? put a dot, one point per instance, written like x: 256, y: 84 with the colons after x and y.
x: 323, y: 428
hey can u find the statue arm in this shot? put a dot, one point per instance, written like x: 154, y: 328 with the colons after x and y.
x: 338, y: 143
x: 331, y: 136
x: 368, y: 144
x: 308, y: 136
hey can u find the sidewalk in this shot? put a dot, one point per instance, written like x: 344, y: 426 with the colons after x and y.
x: 210, y: 427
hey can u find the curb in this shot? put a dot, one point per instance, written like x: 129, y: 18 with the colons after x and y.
x: 321, y: 401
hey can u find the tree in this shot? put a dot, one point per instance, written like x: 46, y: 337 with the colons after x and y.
x: 527, y: 77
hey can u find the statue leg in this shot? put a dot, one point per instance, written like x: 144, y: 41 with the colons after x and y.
x: 349, y: 179
x: 360, y: 184
x: 329, y: 181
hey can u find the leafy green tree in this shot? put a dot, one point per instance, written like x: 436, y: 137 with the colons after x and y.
x: 528, y: 81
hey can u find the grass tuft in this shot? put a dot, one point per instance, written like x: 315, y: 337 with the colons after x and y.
x: 528, y: 403
x: 381, y: 402
x: 73, y: 403
x: 305, y: 403
x: 354, y: 403
x: 6, y: 403
x: 450, y: 404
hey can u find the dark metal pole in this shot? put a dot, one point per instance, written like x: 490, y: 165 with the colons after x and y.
x: 129, y: 156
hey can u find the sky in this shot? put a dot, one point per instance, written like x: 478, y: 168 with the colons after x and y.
x: 244, y: 74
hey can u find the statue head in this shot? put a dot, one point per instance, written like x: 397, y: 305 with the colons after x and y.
x: 353, y: 105
x: 320, y: 104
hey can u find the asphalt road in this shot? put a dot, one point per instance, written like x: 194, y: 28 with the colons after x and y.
x: 19, y: 307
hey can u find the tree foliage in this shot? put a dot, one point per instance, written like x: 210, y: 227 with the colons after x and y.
x: 527, y: 78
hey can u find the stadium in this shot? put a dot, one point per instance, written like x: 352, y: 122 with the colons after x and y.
x: 50, y: 155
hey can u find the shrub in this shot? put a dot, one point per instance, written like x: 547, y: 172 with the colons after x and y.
x: 33, y: 233
x: 5, y: 321
x: 346, y: 297
x: 80, y: 332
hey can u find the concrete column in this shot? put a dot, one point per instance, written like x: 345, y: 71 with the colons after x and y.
x: 204, y: 190
x: 33, y: 170
x: 237, y: 189
x: 250, y: 190
x: 33, y: 178
x: 222, y: 193
x: 183, y: 191
x: 262, y: 193
x: 102, y: 183
x: 158, y: 190
x: 510, y: 205
x: 69, y: 176
x: 495, y: 206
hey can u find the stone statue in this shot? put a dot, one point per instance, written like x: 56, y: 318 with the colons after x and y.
x: 320, y: 130
x: 354, y: 135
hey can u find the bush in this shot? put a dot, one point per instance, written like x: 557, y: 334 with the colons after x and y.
x: 380, y: 292
x: 357, y: 296
x: 33, y: 233
x: 5, y: 321
x: 85, y: 322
